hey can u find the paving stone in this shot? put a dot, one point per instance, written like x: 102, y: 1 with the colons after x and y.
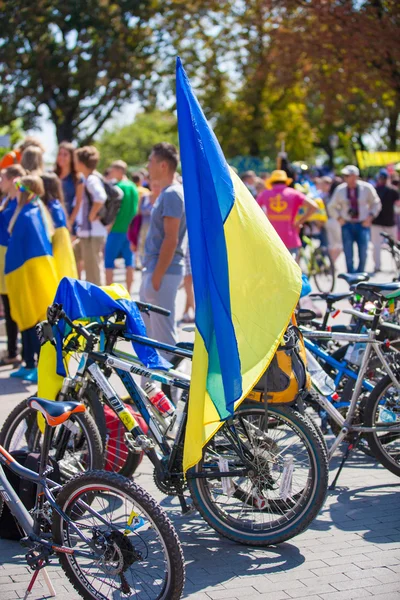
x: 352, y: 544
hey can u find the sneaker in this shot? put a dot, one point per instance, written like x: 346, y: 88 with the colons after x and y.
x: 21, y: 373
x: 31, y: 375
x: 6, y: 361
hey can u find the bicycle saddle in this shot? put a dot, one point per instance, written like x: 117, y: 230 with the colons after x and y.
x: 353, y: 278
x: 55, y: 413
x: 387, y: 290
x: 330, y: 298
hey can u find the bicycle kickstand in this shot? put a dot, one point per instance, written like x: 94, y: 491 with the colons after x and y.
x: 185, y: 507
x: 351, y: 446
x: 46, y: 578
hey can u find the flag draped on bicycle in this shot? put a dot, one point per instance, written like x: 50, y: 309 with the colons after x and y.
x: 246, y: 283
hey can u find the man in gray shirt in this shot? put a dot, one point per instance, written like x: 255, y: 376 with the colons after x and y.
x: 165, y: 244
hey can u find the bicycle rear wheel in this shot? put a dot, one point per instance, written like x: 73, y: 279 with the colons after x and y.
x: 285, y: 487
x: 75, y: 445
x: 323, y: 270
x: 138, y: 552
x: 382, y: 409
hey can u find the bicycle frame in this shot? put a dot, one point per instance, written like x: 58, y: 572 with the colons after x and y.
x: 340, y: 366
x: 372, y: 344
x: 23, y: 516
x: 91, y: 360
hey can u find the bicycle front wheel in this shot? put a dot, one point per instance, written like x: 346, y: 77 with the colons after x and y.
x: 137, y: 552
x: 75, y: 445
x: 382, y: 411
x: 323, y: 270
x: 286, y: 480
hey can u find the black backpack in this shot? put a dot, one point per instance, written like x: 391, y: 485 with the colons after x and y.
x: 9, y: 528
x: 110, y: 209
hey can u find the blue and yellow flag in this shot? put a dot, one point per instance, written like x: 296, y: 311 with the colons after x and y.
x: 6, y: 215
x: 246, y: 283
x: 62, y: 247
x: 85, y: 300
x: 30, y: 269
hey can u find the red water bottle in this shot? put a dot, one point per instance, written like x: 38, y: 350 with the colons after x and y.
x: 159, y: 399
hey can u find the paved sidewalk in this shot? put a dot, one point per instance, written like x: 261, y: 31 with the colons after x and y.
x: 351, y: 551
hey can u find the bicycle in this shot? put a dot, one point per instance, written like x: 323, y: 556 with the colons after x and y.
x: 83, y: 441
x: 263, y: 476
x: 111, y: 537
x: 394, y: 248
x: 379, y: 420
x: 315, y: 262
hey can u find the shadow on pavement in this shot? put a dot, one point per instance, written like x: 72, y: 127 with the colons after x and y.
x: 373, y: 510
x: 212, y: 559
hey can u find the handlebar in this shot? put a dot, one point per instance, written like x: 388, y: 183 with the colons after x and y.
x: 55, y: 313
x: 146, y: 307
x: 389, y: 240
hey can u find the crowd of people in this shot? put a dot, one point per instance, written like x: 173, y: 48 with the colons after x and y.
x: 73, y: 221
x: 353, y: 211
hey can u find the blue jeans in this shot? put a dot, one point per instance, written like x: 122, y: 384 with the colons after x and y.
x: 355, y: 232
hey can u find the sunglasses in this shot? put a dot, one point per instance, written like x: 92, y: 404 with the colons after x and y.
x: 21, y: 187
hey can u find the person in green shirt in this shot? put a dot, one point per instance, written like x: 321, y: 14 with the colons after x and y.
x: 117, y: 245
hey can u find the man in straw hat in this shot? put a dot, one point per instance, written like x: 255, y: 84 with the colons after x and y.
x: 281, y: 205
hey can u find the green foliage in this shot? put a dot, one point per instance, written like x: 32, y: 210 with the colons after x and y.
x: 133, y: 143
x: 81, y: 58
x: 264, y: 70
x: 14, y: 130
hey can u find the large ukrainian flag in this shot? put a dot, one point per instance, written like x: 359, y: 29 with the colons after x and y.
x: 245, y: 281
x: 30, y: 269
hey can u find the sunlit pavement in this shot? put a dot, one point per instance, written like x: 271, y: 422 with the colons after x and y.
x: 352, y: 550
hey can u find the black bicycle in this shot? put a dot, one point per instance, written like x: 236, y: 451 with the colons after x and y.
x: 111, y: 537
x: 263, y: 476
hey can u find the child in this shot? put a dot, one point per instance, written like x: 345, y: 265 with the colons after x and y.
x: 62, y: 247
x: 7, y: 209
x: 30, y: 269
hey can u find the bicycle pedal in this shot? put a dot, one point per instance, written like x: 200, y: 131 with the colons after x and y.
x: 139, y: 443
x: 37, y: 559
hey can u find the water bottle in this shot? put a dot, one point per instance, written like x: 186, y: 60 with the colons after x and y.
x: 177, y: 420
x: 159, y: 400
x: 320, y: 380
x: 387, y: 416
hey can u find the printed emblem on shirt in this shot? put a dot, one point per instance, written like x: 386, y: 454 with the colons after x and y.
x: 277, y: 204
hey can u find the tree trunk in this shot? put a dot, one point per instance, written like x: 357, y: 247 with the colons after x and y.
x: 392, y: 128
x: 331, y: 155
x: 65, y: 131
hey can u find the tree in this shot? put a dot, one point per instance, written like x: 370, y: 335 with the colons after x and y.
x: 81, y: 58
x: 133, y: 143
x: 349, y: 52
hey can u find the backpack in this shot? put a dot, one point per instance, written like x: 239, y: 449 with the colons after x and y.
x: 9, y: 528
x: 116, y: 449
x: 286, y: 376
x: 108, y: 212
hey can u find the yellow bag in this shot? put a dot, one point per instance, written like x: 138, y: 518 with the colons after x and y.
x: 286, y: 376
x: 319, y: 216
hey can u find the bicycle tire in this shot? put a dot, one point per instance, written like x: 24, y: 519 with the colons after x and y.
x: 96, y: 408
x: 158, y: 520
x: 376, y: 444
x: 323, y: 257
x: 23, y: 415
x: 309, y: 498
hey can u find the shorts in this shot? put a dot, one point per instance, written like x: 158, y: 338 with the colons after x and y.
x: 334, y: 233
x: 188, y: 265
x: 117, y: 246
